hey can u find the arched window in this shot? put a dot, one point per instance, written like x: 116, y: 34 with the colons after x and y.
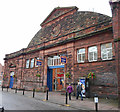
x: 32, y: 63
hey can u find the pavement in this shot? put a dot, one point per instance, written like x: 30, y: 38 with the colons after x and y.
x: 60, y: 99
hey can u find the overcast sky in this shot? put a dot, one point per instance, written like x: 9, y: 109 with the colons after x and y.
x: 20, y: 19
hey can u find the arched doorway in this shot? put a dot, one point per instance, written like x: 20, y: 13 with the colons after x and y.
x: 11, y: 79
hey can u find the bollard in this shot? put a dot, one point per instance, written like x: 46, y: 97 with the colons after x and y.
x: 74, y: 89
x: 96, y: 107
x: 33, y: 93
x: 96, y: 102
x: 66, y: 97
x: 7, y: 88
x: 47, y: 95
x: 16, y: 90
x: 2, y: 88
x: 2, y: 109
x: 23, y: 90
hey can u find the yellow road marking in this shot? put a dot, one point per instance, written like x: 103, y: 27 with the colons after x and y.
x: 67, y: 105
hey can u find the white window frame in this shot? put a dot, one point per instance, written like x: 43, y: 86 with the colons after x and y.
x: 32, y: 63
x: 27, y: 63
x: 106, y: 51
x: 81, y: 53
x: 54, y: 61
x: 93, y: 50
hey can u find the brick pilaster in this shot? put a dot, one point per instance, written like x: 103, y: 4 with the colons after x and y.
x: 115, y: 6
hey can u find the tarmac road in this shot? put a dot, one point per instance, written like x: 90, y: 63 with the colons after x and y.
x: 12, y: 101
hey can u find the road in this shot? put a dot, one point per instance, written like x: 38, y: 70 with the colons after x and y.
x: 12, y: 101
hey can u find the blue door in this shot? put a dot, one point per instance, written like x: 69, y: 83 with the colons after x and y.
x: 11, y: 81
x: 49, y: 79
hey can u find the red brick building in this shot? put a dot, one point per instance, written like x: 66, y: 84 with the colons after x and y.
x: 84, y: 41
x: 1, y: 73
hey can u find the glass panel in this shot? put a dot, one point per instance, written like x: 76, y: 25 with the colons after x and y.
x: 104, y: 56
x: 78, y: 57
x: 106, y: 51
x: 27, y: 63
x: 110, y: 54
x: 95, y: 56
x: 91, y: 56
x: 81, y: 55
x: 53, y: 61
x: 32, y: 63
x: 93, y: 49
x: 81, y: 50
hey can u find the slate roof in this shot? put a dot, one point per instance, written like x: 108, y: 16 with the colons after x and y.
x: 77, y: 21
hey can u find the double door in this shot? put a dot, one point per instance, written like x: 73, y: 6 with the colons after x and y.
x: 55, y: 79
x: 58, y: 79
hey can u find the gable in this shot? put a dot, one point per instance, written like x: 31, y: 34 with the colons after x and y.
x: 57, y: 12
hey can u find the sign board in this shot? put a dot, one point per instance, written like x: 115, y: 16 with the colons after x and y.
x: 82, y: 81
x: 11, y: 73
x: 60, y: 75
x: 96, y: 99
x: 39, y: 62
x: 63, y: 59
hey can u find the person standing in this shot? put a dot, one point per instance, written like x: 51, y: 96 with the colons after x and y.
x: 79, y: 91
x: 69, y: 90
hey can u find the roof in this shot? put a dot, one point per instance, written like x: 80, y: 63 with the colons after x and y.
x: 70, y: 23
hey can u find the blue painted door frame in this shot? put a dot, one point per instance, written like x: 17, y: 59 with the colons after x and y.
x: 11, y: 81
x: 49, y: 79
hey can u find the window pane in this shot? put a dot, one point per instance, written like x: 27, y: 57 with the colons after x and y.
x: 95, y: 56
x: 81, y: 58
x: 93, y: 49
x: 104, y: 56
x: 27, y: 63
x: 55, y: 61
x: 78, y: 57
x: 110, y: 54
x: 32, y: 63
x: 81, y: 55
x: 92, y: 53
x: 106, y: 51
x: 81, y: 50
x: 91, y: 56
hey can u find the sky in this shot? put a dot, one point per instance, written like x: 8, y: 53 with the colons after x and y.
x: 20, y: 19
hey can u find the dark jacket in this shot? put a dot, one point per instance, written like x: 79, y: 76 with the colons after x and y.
x: 79, y: 88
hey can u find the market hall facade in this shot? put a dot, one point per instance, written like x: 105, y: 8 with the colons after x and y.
x: 71, y: 45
